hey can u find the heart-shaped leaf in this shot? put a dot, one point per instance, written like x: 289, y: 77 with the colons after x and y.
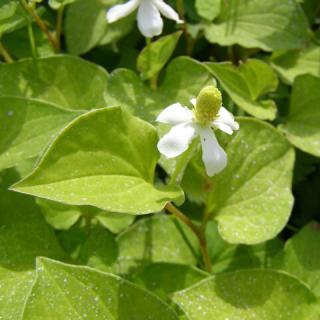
x: 156, y: 54
x: 251, y: 199
x: 170, y: 241
x: 251, y: 294
x: 12, y: 16
x: 105, y: 158
x: 208, y: 9
x: 291, y: 64
x: 81, y: 37
x: 268, y: 25
x: 302, y: 124
x: 182, y: 80
x: 74, y: 292
x: 228, y: 257
x: 301, y: 256
x: 24, y: 235
x: 246, y: 84
x: 66, y: 81
x: 167, y: 278
x: 26, y: 127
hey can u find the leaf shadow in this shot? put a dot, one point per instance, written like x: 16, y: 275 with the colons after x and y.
x: 24, y: 234
x: 16, y: 118
x: 246, y: 296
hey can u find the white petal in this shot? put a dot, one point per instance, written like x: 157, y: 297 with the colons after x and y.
x: 177, y: 140
x: 193, y: 101
x: 222, y: 126
x: 121, y: 10
x: 167, y: 11
x: 224, y: 116
x: 213, y: 156
x: 175, y: 114
x: 149, y: 20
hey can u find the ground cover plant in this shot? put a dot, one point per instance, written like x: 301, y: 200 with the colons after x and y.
x: 159, y: 160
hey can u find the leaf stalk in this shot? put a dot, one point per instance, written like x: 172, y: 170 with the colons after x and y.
x: 33, y: 13
x: 198, y: 231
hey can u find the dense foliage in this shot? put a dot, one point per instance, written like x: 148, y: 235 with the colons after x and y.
x: 96, y: 223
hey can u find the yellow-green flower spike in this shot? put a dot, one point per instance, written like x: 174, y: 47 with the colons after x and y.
x: 208, y: 104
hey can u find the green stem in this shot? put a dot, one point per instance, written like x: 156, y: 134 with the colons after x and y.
x: 189, y: 41
x: 205, y: 251
x: 59, y: 26
x: 177, y: 213
x: 5, y: 54
x: 199, y: 233
x: 33, y: 13
x: 32, y: 40
x: 154, y: 79
x: 233, y: 55
x: 292, y: 228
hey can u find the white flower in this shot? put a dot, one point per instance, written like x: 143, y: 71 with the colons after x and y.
x: 186, y: 127
x: 149, y: 19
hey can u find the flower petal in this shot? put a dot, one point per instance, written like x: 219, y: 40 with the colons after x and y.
x: 226, y: 117
x: 121, y: 10
x: 193, y: 101
x: 175, y: 114
x: 177, y: 140
x: 149, y: 20
x: 222, y: 126
x: 167, y: 11
x: 213, y: 156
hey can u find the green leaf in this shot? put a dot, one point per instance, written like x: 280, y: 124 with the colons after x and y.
x: 26, y: 126
x: 72, y: 239
x: 57, y: 4
x: 310, y: 7
x: 66, y: 81
x: 208, y: 9
x: 85, y: 24
x: 98, y: 160
x: 100, y: 250
x: 58, y: 215
x: 195, y: 182
x: 18, y: 43
x: 183, y: 79
x: 264, y: 24
x: 164, y: 279
x: 24, y: 235
x: 246, y: 85
x: 250, y: 294
x: 155, y: 55
x: 230, y: 257
x: 126, y: 89
x: 251, y: 199
x: 63, y: 217
x: 291, y: 64
x: 116, y: 30
x: 65, y: 291
x: 12, y: 16
x: 26, y: 167
x: 156, y: 239
x: 301, y: 256
x: 302, y: 124
x: 115, y: 222
x: 8, y: 8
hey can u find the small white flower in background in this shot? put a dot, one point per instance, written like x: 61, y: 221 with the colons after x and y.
x: 149, y: 19
x: 207, y: 115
